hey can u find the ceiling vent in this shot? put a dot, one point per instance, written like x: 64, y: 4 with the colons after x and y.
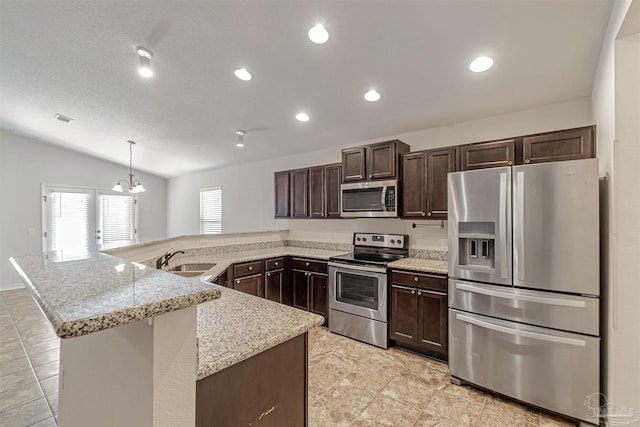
x: 62, y: 118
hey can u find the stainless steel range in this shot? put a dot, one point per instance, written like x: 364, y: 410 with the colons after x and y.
x: 358, y: 287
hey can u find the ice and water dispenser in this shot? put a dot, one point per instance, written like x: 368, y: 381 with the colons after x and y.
x: 477, y: 244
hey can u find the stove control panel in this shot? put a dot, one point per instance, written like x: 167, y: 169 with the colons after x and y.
x: 398, y: 241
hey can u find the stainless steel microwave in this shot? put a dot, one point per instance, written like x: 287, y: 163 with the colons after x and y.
x: 369, y: 199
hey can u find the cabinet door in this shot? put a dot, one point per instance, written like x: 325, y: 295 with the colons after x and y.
x: 432, y: 320
x: 414, y: 185
x: 300, y: 283
x: 439, y: 164
x: 353, y: 164
x: 253, y: 285
x: 381, y: 161
x: 273, y: 285
x: 281, y: 191
x: 404, y: 324
x: 487, y: 154
x: 569, y: 144
x: 318, y: 296
x: 299, y: 192
x: 316, y: 192
x: 332, y: 180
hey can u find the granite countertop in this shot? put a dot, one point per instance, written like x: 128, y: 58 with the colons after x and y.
x: 239, y: 326
x: 421, y: 264
x: 223, y: 261
x: 95, y: 291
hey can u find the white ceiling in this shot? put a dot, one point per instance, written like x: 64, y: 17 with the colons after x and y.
x: 78, y: 58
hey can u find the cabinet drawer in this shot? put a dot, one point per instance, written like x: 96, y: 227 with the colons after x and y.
x: 419, y: 280
x: 248, y: 268
x: 274, y: 264
x: 309, y: 265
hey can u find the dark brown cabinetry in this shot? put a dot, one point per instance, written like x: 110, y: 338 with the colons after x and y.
x: 299, y: 193
x: 276, y: 285
x: 570, y: 144
x: 281, y: 191
x: 424, y: 181
x: 375, y: 161
x: 490, y: 154
x: 248, y: 278
x: 419, y: 312
x: 308, y: 193
x: 309, y: 280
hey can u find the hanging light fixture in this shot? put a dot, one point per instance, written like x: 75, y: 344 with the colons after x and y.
x: 145, y: 62
x: 133, y: 186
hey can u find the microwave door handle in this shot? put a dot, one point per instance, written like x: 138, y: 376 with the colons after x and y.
x: 383, y: 201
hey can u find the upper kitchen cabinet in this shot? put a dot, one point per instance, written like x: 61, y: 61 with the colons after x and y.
x: 299, y: 193
x: 570, y: 144
x: 332, y: 180
x: 424, y: 183
x: 281, y: 192
x: 375, y: 161
x: 316, y: 192
x: 487, y: 154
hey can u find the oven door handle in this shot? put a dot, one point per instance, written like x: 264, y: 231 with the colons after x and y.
x: 357, y: 267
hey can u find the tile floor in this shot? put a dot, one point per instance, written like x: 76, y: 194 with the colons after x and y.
x: 350, y: 383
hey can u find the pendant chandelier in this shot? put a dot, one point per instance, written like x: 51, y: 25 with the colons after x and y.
x: 133, y: 186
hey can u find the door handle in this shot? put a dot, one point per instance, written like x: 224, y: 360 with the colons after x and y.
x: 518, y: 227
x: 519, y: 333
x: 503, y: 225
x: 514, y: 296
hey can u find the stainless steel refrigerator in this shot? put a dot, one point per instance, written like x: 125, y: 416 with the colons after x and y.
x: 524, y: 283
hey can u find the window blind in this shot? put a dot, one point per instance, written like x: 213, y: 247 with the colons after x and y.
x: 211, y: 211
x: 69, y: 221
x: 116, y: 216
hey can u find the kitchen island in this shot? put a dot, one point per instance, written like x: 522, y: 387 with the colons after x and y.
x: 141, y: 346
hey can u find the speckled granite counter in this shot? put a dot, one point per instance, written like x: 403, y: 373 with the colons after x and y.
x: 239, y: 326
x: 81, y: 295
x: 420, y: 264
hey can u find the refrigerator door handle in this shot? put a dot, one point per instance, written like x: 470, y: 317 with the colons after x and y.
x: 502, y: 230
x: 520, y: 333
x: 518, y: 227
x: 514, y: 296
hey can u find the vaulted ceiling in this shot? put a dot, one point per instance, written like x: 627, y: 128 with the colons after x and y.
x: 78, y: 58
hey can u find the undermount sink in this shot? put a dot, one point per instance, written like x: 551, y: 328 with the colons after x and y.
x: 191, y: 270
x: 191, y: 267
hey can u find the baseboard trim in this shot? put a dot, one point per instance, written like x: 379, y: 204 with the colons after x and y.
x: 11, y: 287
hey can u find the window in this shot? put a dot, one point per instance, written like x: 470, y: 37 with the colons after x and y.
x: 211, y: 211
x: 81, y: 219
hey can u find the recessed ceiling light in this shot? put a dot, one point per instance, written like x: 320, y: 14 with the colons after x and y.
x: 302, y: 117
x: 243, y: 74
x: 62, y: 118
x: 145, y: 62
x: 240, y: 138
x: 372, y: 95
x: 318, y: 34
x: 480, y: 64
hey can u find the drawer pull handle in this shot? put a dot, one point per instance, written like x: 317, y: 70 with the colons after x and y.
x: 415, y: 279
x: 307, y: 264
x: 518, y: 297
x: 277, y: 263
x: 250, y: 268
x: 413, y: 291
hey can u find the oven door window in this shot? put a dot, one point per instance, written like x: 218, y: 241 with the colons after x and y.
x: 358, y: 290
x: 362, y: 199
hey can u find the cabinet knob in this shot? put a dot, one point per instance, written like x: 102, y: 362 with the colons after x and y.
x: 510, y: 162
x: 250, y: 268
x: 370, y: 176
x: 277, y: 263
x: 527, y: 161
x: 422, y: 213
x: 415, y: 279
x: 419, y: 293
x: 307, y: 264
x: 413, y: 291
x: 428, y: 213
x: 238, y: 281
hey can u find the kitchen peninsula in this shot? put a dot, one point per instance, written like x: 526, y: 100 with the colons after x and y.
x: 142, y: 346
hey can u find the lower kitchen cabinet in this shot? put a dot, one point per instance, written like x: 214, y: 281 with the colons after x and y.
x: 318, y: 294
x: 253, y: 285
x: 418, y: 318
x: 309, y: 280
x: 273, y: 285
x: 300, y: 289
